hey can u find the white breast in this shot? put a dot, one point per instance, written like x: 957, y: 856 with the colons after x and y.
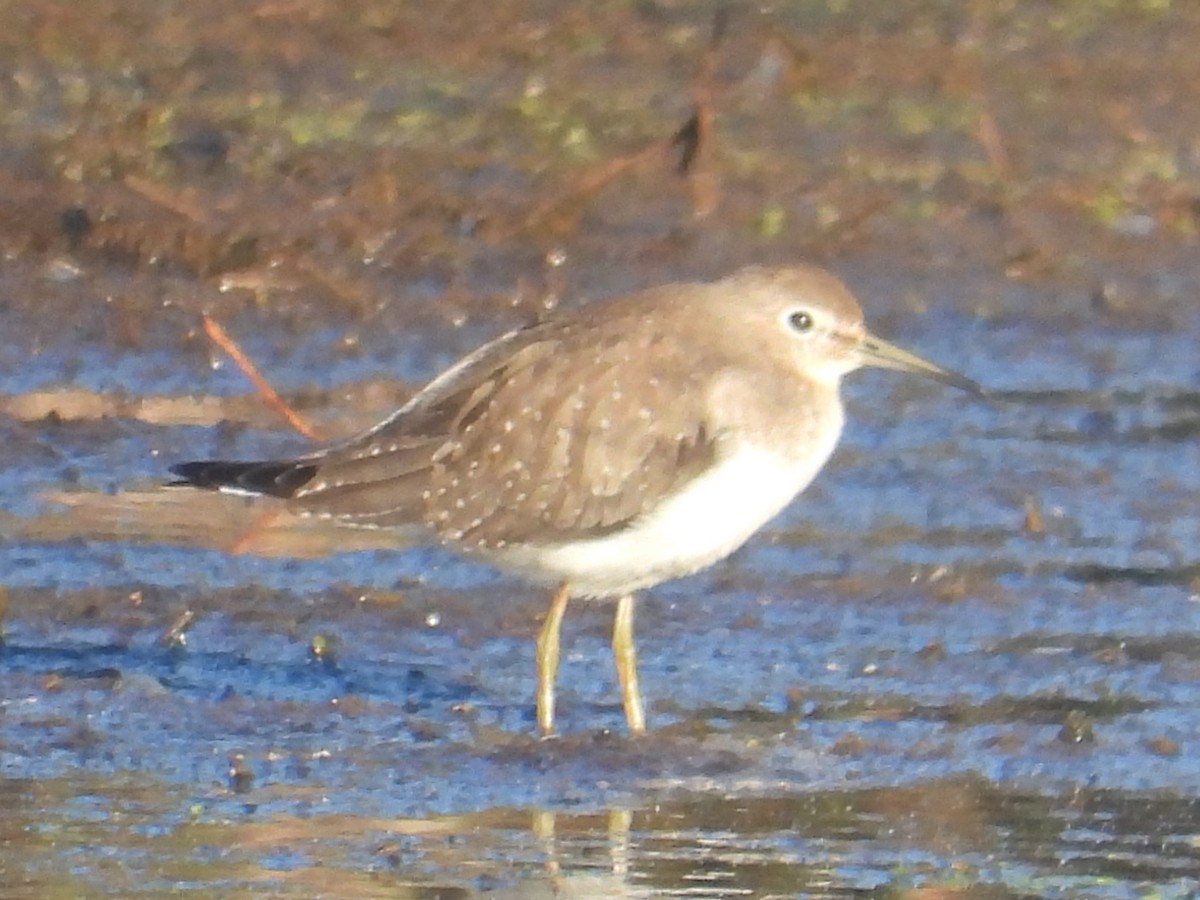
x: 709, y: 519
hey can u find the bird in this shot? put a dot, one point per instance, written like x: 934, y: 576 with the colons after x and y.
x: 608, y: 447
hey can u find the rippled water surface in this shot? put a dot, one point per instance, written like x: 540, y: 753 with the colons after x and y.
x: 966, y: 662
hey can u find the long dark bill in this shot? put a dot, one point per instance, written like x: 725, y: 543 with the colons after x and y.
x: 880, y: 353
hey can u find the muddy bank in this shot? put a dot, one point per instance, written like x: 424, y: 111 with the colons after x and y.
x: 965, y: 662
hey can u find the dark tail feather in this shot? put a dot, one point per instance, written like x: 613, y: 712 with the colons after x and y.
x: 274, y: 479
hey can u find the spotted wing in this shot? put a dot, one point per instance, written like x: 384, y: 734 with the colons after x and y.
x: 543, y: 436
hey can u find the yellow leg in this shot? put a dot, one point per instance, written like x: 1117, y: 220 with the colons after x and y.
x: 625, y: 656
x: 547, y: 660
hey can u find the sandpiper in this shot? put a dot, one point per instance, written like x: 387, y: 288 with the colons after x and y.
x: 609, y: 448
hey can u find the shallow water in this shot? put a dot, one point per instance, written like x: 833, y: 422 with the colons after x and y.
x: 966, y: 662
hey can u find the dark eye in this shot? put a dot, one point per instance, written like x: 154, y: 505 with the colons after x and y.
x: 801, y: 321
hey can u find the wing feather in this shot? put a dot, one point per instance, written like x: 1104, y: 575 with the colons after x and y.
x: 520, y: 442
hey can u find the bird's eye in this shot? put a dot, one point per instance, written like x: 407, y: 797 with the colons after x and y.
x: 801, y: 321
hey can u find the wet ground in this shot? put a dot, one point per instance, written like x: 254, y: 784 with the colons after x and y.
x: 965, y: 663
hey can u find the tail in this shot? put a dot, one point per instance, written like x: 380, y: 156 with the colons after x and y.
x: 268, y: 478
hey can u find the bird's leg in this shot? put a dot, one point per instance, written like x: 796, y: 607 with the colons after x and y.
x: 547, y: 659
x: 625, y: 656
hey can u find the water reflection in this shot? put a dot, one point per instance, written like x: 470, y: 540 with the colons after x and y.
x: 144, y: 837
x: 887, y: 692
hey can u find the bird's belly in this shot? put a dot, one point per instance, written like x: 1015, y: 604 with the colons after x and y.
x: 710, y: 518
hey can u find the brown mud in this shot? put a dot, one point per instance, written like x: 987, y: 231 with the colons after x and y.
x: 965, y: 663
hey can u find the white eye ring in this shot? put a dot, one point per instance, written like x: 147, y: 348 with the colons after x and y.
x: 800, y: 321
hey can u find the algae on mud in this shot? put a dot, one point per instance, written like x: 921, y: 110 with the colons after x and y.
x: 354, y: 193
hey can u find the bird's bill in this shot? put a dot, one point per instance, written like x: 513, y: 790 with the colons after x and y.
x: 876, y: 352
